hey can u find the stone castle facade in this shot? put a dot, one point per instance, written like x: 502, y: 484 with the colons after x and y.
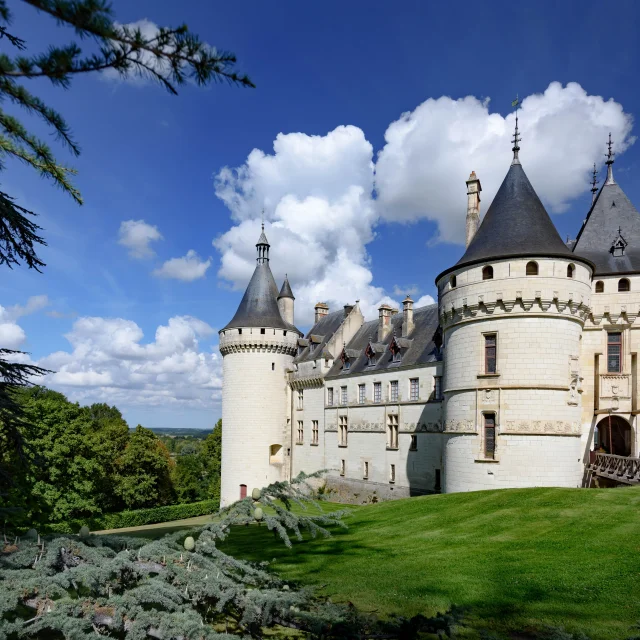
x: 525, y: 366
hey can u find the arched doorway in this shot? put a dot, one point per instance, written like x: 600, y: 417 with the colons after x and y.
x: 613, y: 435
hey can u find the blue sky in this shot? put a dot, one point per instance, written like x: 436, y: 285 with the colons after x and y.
x: 344, y: 73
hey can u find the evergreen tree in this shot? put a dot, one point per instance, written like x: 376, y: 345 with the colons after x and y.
x: 171, y: 56
x: 173, y: 588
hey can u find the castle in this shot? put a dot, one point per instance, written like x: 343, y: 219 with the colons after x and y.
x: 525, y: 366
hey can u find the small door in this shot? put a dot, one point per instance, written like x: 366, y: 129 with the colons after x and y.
x: 243, y: 491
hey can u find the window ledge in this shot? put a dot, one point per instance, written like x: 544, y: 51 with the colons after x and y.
x: 488, y: 460
x: 299, y: 442
x: 342, y: 446
x: 314, y: 444
x: 488, y: 375
x: 393, y: 448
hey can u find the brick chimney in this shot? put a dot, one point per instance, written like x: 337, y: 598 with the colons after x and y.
x: 407, y: 316
x: 473, y: 206
x: 384, y: 321
x: 322, y: 310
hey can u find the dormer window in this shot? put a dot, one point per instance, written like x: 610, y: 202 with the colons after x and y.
x: 619, y: 245
x: 345, y: 359
x: 396, y: 352
x: 370, y: 353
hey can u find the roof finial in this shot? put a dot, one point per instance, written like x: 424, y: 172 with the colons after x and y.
x: 594, y: 183
x: 516, y: 136
x: 263, y: 245
x: 609, y: 162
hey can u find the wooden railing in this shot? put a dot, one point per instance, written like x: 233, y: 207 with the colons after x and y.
x: 619, y: 468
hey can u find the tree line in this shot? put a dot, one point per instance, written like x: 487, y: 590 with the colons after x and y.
x: 84, y: 461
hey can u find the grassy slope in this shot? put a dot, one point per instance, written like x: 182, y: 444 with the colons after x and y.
x: 516, y: 558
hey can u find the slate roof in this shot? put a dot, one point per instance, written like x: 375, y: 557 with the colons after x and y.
x: 322, y: 330
x: 259, y: 305
x: 516, y: 224
x: 421, y: 350
x: 286, y: 292
x: 611, y: 210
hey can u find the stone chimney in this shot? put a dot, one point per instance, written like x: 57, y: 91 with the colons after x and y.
x: 347, y: 309
x: 473, y: 206
x: 407, y: 316
x: 384, y: 321
x: 322, y: 310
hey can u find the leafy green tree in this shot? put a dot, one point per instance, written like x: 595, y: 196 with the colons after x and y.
x: 64, y: 483
x: 171, y: 56
x: 144, y: 472
x: 189, y: 479
x: 212, y: 455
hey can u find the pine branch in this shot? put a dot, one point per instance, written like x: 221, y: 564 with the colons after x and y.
x: 56, y: 172
x: 18, y: 235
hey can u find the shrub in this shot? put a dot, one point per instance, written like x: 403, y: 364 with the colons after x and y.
x: 137, y: 518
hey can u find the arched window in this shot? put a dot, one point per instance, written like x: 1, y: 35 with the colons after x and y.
x: 452, y: 282
x: 599, y: 286
x: 487, y: 273
x: 570, y: 271
x: 532, y: 268
x: 623, y: 285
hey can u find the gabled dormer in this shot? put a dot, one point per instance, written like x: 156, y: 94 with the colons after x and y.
x: 397, y: 347
x: 373, y: 351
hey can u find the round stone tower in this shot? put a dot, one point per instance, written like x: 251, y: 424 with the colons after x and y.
x: 257, y: 347
x: 512, y: 311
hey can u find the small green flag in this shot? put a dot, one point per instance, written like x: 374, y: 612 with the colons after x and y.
x: 515, y: 103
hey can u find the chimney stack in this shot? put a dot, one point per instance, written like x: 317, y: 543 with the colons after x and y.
x: 407, y: 316
x: 473, y: 206
x: 347, y: 309
x: 384, y: 321
x: 322, y: 310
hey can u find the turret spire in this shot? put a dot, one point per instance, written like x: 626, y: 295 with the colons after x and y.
x: 263, y: 245
x: 516, y: 136
x: 609, y: 162
x: 594, y: 183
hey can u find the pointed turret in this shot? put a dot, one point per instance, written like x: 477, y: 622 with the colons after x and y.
x: 259, y: 306
x: 612, y: 216
x: 285, y: 301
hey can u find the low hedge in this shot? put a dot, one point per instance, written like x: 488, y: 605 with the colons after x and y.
x: 137, y: 518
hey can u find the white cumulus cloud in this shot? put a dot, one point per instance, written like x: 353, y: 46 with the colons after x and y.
x: 430, y: 152
x: 136, y: 236
x: 109, y: 361
x: 12, y: 336
x: 188, y: 268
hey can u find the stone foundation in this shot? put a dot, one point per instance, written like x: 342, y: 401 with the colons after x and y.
x: 350, y: 491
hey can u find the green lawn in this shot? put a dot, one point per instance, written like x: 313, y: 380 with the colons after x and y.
x: 517, y: 559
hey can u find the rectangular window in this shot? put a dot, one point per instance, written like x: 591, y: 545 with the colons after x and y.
x: 330, y: 396
x: 490, y: 341
x: 614, y: 352
x: 343, y: 395
x: 365, y: 470
x: 343, y: 467
x: 361, y: 393
x: 392, y: 432
x: 343, y: 431
x: 490, y: 435
x: 314, y: 432
x: 377, y: 391
x: 300, y: 432
x: 300, y: 398
x: 414, y: 389
x: 393, y: 391
x: 437, y: 388
x: 437, y: 484
x: 392, y: 473
x: 414, y: 443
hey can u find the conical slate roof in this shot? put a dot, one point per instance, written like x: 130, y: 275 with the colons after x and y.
x: 259, y: 306
x: 516, y: 224
x: 286, y: 292
x: 611, y: 214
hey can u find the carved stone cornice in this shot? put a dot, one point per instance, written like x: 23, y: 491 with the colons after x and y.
x: 256, y: 345
x: 468, y: 308
x: 306, y: 382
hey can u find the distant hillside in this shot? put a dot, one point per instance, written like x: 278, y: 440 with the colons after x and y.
x: 176, y: 432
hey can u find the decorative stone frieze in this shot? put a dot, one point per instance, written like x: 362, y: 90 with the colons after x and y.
x: 459, y: 426
x: 541, y: 427
x: 306, y: 382
x: 259, y: 346
x: 614, y: 385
